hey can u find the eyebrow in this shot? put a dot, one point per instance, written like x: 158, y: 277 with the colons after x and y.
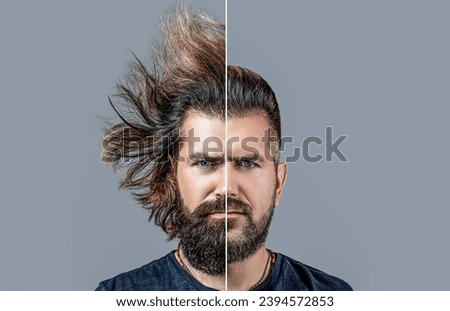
x: 196, y: 156
x: 253, y: 157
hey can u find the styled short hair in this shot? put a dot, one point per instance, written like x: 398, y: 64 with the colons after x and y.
x: 187, y: 75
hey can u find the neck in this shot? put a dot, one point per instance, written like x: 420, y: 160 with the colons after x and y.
x: 253, y: 271
x: 241, y: 275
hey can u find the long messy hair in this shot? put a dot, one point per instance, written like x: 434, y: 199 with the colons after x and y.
x: 187, y: 74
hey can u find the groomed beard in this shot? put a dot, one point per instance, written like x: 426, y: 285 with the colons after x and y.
x: 203, y: 238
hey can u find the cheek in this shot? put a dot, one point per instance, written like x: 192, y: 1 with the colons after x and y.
x: 194, y: 188
x: 258, y: 188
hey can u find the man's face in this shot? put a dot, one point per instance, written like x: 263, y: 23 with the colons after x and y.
x: 248, y: 178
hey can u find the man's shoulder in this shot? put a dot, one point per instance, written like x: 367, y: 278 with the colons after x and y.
x: 152, y: 276
x: 298, y: 276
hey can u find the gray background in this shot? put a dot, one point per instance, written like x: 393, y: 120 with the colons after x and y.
x: 375, y: 70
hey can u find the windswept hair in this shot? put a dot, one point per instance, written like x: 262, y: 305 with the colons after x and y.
x: 187, y: 75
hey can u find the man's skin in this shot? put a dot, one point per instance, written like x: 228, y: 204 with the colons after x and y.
x: 203, y: 176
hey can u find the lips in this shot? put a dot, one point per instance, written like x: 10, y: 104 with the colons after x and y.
x: 235, y: 207
x: 229, y: 212
x: 237, y: 212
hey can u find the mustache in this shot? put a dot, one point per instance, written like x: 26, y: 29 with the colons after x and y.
x: 218, y: 206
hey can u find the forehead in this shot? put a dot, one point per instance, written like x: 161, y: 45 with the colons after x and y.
x: 249, y: 126
x: 206, y: 135
x: 203, y: 126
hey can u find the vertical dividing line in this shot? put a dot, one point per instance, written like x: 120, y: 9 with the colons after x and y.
x: 225, y: 146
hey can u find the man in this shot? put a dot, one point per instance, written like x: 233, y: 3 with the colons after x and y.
x: 207, y: 171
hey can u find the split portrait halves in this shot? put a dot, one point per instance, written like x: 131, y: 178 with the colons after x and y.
x: 197, y: 143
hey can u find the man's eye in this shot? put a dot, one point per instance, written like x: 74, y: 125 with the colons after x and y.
x: 248, y: 164
x: 203, y: 164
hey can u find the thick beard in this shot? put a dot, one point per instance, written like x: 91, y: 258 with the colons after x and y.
x: 203, y: 239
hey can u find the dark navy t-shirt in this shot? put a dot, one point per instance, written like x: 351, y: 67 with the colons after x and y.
x: 167, y: 274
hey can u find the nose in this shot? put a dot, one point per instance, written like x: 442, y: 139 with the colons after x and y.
x: 227, y: 183
x: 232, y: 182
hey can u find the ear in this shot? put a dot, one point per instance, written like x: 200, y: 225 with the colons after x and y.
x: 281, y: 181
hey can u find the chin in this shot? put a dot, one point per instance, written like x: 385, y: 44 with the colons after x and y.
x: 235, y: 235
